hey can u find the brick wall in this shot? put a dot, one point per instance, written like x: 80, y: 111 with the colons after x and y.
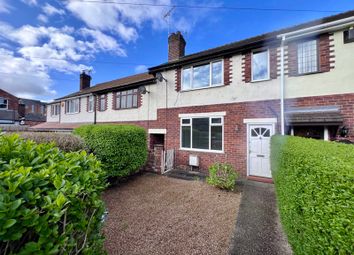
x: 235, y: 131
x: 12, y: 100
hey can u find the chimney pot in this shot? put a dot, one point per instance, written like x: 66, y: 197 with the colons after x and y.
x: 85, y: 81
x: 176, y: 46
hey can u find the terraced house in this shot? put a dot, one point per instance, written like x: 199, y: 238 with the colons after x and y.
x: 224, y: 104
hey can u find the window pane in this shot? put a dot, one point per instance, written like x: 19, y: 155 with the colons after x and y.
x: 260, y: 65
x: 123, y: 103
x: 135, y: 100
x: 186, y: 121
x: 118, y: 101
x: 102, y: 103
x: 216, y: 120
x: 129, y: 101
x: 201, y: 76
x: 307, y: 57
x: 200, y: 133
x: 186, y: 137
x: 186, y: 78
x: 216, y: 138
x: 216, y: 73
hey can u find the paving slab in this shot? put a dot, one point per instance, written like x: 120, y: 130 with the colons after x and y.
x: 258, y: 229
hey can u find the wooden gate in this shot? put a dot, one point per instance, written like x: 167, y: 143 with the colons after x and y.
x: 169, y: 160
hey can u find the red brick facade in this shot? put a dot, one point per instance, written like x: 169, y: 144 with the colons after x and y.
x: 235, y: 131
x: 12, y: 100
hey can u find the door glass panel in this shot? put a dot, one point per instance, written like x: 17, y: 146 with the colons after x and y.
x: 267, y: 133
x: 254, y: 133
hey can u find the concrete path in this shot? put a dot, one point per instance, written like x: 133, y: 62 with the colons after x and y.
x: 258, y: 229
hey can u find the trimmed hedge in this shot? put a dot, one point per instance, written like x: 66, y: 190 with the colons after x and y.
x: 65, y: 141
x: 49, y: 200
x: 314, y: 183
x: 122, y: 149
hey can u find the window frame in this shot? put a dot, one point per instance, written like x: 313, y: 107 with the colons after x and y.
x: 268, y: 65
x: 118, y: 94
x: 100, y: 98
x: 53, y: 109
x: 90, y: 109
x: 7, y: 103
x: 190, y: 124
x: 317, y: 56
x: 210, y: 85
x: 67, y: 106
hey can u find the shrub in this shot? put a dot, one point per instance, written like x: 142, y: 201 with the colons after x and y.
x: 65, y: 141
x: 222, y: 176
x: 49, y: 200
x: 121, y: 148
x: 315, y: 193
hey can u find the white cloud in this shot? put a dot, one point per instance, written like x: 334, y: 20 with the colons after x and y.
x: 30, y: 2
x: 42, y: 18
x: 23, y: 77
x: 50, y: 10
x: 122, y: 19
x: 141, y: 69
x: 4, y: 7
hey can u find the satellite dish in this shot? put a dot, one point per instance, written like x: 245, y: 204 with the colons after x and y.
x: 159, y: 77
x: 142, y: 90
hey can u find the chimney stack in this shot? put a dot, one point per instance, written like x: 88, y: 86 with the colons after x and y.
x: 176, y: 46
x: 85, y: 80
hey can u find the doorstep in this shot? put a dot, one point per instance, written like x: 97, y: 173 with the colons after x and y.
x: 260, y: 179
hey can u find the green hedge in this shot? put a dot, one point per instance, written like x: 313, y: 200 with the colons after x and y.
x: 121, y: 148
x: 49, y: 200
x: 314, y: 183
x: 65, y: 141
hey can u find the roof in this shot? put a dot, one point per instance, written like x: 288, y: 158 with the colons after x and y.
x: 133, y: 80
x: 246, y: 44
x: 28, y: 101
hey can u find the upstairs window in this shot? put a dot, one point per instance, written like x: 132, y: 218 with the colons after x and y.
x: 4, y: 103
x: 102, y: 103
x: 32, y: 108
x: 73, y: 105
x: 307, y: 57
x: 260, y: 65
x: 90, y: 103
x: 204, y: 133
x: 203, y: 76
x: 127, y: 99
x: 55, y: 109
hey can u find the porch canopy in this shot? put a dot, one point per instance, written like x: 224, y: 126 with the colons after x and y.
x: 314, y: 116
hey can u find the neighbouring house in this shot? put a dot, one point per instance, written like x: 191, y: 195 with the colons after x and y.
x: 20, y: 111
x: 224, y: 104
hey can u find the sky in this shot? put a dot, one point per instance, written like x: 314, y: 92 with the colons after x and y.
x: 44, y: 45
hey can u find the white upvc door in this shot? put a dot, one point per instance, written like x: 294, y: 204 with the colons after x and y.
x: 259, y: 149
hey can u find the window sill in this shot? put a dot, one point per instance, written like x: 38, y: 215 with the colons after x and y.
x: 201, y: 150
x: 71, y: 113
x: 304, y: 74
x: 122, y: 109
x: 255, y: 81
x: 210, y: 87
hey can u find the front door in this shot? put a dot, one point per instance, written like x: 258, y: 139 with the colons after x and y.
x: 259, y: 150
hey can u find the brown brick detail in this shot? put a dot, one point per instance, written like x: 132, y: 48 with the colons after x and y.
x: 79, y: 104
x: 246, y: 67
x: 140, y: 99
x: 114, y: 100
x: 87, y: 103
x: 273, y: 61
x: 324, y: 49
x: 178, y: 75
x: 227, y: 70
x: 292, y: 59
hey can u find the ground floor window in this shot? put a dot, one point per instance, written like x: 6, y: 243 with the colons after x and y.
x: 315, y: 132
x: 202, y: 133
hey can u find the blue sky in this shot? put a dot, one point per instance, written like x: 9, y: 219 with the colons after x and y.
x: 45, y: 44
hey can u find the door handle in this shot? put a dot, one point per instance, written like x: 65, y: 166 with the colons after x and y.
x: 260, y: 156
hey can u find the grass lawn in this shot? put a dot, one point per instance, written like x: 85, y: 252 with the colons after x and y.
x: 159, y: 215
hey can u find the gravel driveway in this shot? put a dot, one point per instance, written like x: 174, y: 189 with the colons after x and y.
x: 159, y: 215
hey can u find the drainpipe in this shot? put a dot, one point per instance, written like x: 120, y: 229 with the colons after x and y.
x: 282, y: 84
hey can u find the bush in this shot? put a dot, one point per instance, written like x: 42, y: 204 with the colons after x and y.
x: 65, y: 141
x: 222, y: 176
x: 121, y: 148
x: 315, y: 193
x: 49, y: 200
